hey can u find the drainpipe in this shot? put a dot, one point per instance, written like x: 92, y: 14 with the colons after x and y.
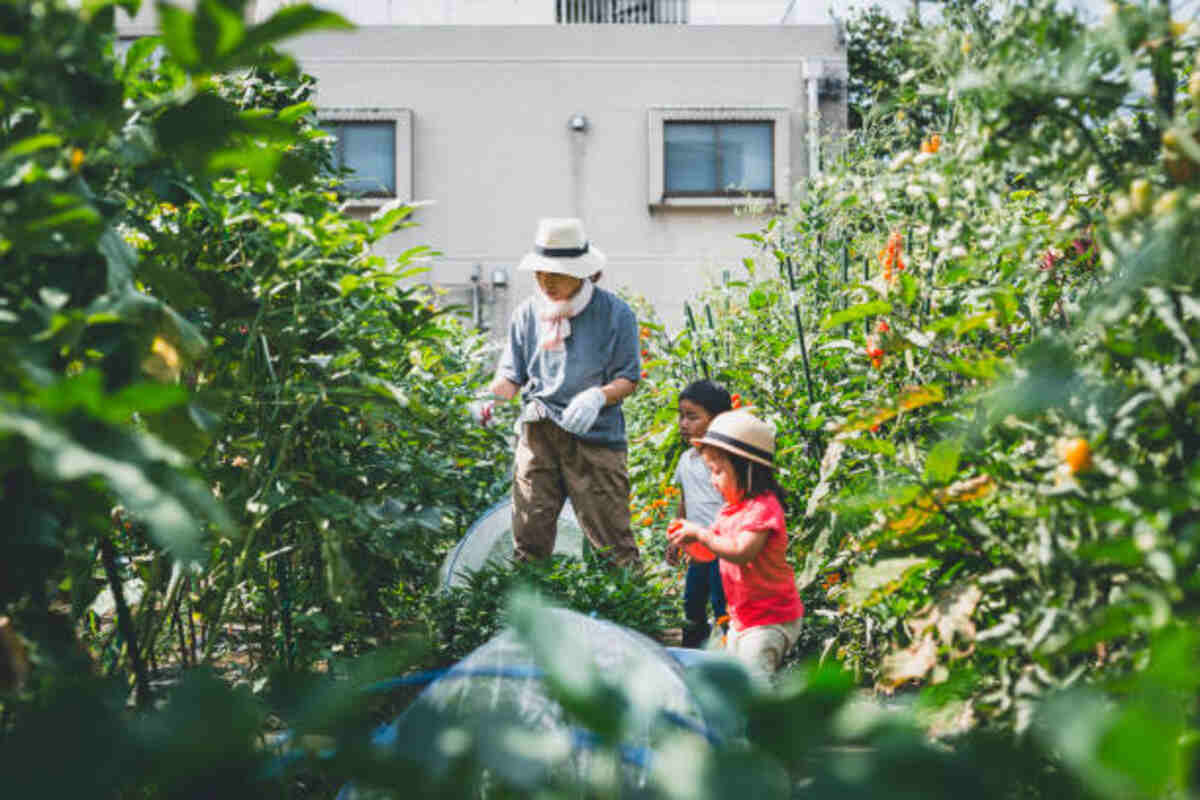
x: 813, y: 71
x: 476, y: 304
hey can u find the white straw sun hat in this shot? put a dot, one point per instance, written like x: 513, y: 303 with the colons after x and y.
x: 561, y: 246
x: 742, y: 433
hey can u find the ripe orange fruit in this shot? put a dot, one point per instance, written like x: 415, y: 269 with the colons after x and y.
x: 1077, y: 454
x: 645, y: 374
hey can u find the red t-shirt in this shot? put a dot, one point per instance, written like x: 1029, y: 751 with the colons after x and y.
x: 762, y: 592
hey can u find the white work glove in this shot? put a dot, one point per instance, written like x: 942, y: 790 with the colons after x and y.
x: 583, y: 409
x: 482, y: 408
x: 482, y: 411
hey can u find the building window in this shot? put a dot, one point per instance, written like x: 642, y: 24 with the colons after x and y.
x: 713, y: 159
x: 375, y: 145
x: 718, y: 156
x: 368, y: 151
x: 621, y: 12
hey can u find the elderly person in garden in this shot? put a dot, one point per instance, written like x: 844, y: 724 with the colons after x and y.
x: 572, y: 352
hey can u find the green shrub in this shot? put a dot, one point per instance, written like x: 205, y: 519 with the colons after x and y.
x: 462, y: 618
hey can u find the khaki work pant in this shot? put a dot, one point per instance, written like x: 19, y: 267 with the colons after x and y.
x: 553, y: 465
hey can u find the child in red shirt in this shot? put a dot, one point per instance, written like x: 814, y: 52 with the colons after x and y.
x: 750, y: 537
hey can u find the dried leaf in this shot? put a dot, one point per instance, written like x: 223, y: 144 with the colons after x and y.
x: 14, y: 658
x: 829, y: 463
x: 910, y: 664
x: 950, y: 617
x: 969, y: 489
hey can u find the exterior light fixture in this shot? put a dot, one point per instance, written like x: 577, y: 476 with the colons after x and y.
x: 578, y: 123
x: 499, y: 277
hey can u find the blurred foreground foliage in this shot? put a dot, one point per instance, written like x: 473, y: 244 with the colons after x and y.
x: 195, y: 334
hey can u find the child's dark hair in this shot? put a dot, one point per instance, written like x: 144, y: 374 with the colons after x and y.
x: 754, y: 478
x: 712, y: 397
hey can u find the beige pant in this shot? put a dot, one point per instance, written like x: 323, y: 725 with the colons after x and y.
x: 552, y: 465
x: 763, y: 647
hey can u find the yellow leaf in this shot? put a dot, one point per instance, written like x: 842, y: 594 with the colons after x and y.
x: 916, y: 396
x: 163, y: 362
x: 909, y: 398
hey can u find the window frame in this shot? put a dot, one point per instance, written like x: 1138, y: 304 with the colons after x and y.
x: 718, y: 192
x: 779, y: 116
x: 402, y: 118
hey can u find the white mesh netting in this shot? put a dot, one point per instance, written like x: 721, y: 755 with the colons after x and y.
x: 489, y: 539
x: 496, y: 695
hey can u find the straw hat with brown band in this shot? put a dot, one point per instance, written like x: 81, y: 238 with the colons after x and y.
x: 744, y: 434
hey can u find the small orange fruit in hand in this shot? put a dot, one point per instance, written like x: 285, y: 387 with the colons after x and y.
x: 1077, y: 454
x: 699, y: 552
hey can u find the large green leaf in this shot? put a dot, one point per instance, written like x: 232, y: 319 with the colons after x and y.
x: 129, y: 469
x: 178, y: 30
x: 942, y: 462
x: 855, y: 313
x: 873, y: 582
x: 290, y: 21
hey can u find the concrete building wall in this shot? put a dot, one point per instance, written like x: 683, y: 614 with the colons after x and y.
x: 492, y: 150
x: 542, y: 12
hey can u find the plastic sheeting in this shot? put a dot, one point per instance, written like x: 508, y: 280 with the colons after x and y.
x: 497, y: 694
x: 489, y: 539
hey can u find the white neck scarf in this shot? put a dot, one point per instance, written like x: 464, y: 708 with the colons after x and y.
x: 554, y: 316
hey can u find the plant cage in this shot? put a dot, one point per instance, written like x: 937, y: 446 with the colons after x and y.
x: 493, y: 709
x: 489, y: 540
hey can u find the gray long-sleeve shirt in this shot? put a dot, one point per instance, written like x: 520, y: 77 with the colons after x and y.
x: 603, y: 346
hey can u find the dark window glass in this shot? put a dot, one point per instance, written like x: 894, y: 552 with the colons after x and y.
x: 719, y: 158
x: 369, y: 150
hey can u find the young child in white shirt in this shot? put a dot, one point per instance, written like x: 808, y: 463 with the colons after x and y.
x: 699, y: 502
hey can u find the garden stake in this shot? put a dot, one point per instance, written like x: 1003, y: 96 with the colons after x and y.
x: 285, y: 610
x: 845, y: 264
x: 709, y: 317
x: 191, y: 618
x: 790, y: 275
x: 929, y: 293
x: 866, y: 277
x: 108, y: 556
x: 803, y: 352
x: 177, y: 624
x: 691, y: 320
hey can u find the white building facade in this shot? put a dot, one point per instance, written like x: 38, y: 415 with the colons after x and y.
x: 669, y: 126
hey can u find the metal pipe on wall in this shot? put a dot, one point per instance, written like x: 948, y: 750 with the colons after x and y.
x: 813, y: 70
